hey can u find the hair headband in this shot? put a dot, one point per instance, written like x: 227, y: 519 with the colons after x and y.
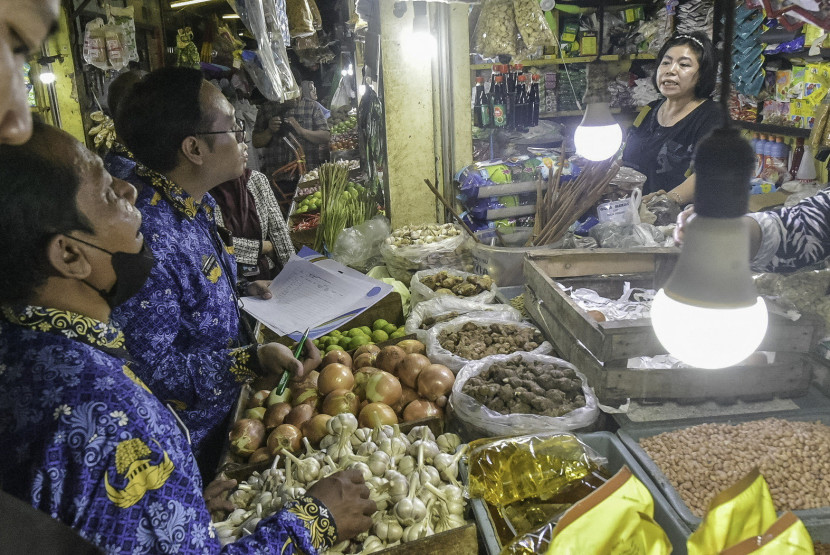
x: 691, y: 38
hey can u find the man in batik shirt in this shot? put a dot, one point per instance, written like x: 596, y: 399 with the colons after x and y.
x: 83, y: 438
x: 183, y: 327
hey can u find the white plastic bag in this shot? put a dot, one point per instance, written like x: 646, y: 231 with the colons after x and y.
x: 452, y: 252
x: 421, y: 292
x: 450, y: 304
x: 359, y: 246
x: 439, y: 355
x: 482, y: 419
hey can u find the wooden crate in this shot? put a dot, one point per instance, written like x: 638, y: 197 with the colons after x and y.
x: 601, y: 349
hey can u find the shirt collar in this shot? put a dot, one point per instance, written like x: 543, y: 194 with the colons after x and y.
x: 177, y: 197
x: 123, y: 151
x: 96, y: 333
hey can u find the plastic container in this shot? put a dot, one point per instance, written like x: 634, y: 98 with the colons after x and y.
x: 610, y: 447
x: 817, y: 521
x: 502, y: 263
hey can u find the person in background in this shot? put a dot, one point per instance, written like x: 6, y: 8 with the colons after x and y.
x: 662, y: 141
x: 183, y: 328
x: 86, y: 441
x: 119, y: 161
x: 24, y: 24
x: 261, y: 241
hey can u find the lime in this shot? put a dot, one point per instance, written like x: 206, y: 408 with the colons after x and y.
x: 402, y: 329
x: 335, y: 333
x: 397, y: 334
x: 346, y: 343
x: 331, y: 348
x: 356, y: 331
x: 390, y: 328
x: 379, y: 336
x: 366, y: 330
x: 359, y: 340
x: 379, y: 324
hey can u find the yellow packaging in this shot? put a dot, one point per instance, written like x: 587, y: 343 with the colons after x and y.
x: 616, y: 519
x: 787, y: 536
x: 815, y: 85
x: 738, y: 512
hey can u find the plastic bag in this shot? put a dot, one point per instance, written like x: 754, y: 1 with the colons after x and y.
x: 403, y: 262
x: 496, y: 31
x: 316, y: 17
x: 359, y: 247
x: 421, y: 292
x: 300, y: 18
x: 664, y: 208
x: 439, y: 355
x: 187, y: 55
x: 624, y: 211
x: 531, y: 24
x: 492, y: 423
x: 449, y: 305
x: 125, y: 19
x: 611, y: 235
x: 95, y: 44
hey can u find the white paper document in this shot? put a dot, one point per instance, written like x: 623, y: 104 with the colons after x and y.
x: 321, y: 295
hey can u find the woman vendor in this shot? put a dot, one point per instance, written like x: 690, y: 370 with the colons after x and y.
x: 663, y: 139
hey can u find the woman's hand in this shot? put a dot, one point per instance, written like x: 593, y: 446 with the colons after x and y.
x: 682, y: 219
x: 216, y: 495
x: 274, y: 359
x: 312, y: 357
x: 346, y: 497
x: 259, y: 289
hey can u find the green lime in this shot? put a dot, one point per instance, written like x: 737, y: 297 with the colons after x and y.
x: 331, y: 348
x: 346, y: 343
x: 390, y: 328
x: 397, y: 334
x: 366, y: 330
x: 379, y: 336
x: 359, y: 340
x: 379, y: 324
x: 402, y: 329
x: 335, y: 333
x: 355, y: 331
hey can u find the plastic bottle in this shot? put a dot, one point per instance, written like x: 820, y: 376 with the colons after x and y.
x: 533, y: 102
x: 759, y: 155
x: 798, y: 154
x: 807, y: 169
x: 481, y: 112
x: 781, y: 156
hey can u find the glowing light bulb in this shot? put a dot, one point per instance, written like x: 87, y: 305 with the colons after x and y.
x: 598, y: 142
x: 47, y: 77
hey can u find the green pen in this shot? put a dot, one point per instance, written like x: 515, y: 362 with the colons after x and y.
x: 297, y: 352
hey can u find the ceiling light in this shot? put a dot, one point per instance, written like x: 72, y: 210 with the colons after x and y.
x: 188, y: 3
x: 231, y: 16
x: 598, y: 136
x: 47, y: 77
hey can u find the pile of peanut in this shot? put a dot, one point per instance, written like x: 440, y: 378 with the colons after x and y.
x: 702, y: 461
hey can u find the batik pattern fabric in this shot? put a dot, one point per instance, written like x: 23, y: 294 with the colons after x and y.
x: 87, y: 443
x: 120, y: 162
x: 794, y: 237
x: 182, y: 327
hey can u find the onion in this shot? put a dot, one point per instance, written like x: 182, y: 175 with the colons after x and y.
x: 258, y: 399
x: 363, y: 360
x: 299, y: 414
x: 284, y: 436
x: 275, y: 415
x: 376, y: 415
x: 383, y: 387
x: 408, y: 369
x: 407, y: 396
x: 340, y: 400
x: 307, y: 382
x: 261, y: 454
x: 309, y: 397
x: 255, y: 413
x: 338, y: 356
x: 274, y: 399
x: 389, y: 357
x: 361, y: 378
x: 335, y: 376
x: 315, y: 429
x: 246, y: 436
x: 434, y: 381
x: 412, y: 346
x: 416, y: 410
x: 370, y: 348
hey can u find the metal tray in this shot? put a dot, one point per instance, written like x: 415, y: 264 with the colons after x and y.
x: 609, y: 446
x: 817, y: 521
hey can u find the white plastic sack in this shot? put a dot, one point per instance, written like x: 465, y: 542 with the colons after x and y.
x: 446, y: 304
x: 492, y: 423
x: 439, y: 355
x: 402, y: 262
x: 421, y: 292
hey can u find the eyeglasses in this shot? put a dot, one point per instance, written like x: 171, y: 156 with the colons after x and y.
x: 238, y: 131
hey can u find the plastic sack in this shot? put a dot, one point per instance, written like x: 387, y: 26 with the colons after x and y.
x: 300, y: 18
x: 125, y: 19
x: 492, y: 423
x: 664, y: 208
x: 421, y: 292
x: 623, y: 211
x: 359, y: 247
x: 403, y: 262
x: 496, y: 31
x: 610, y: 235
x: 452, y: 307
x: 439, y: 355
x: 117, y: 55
x: 95, y: 44
x: 531, y: 24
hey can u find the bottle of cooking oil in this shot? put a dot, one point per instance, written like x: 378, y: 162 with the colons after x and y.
x: 503, y: 471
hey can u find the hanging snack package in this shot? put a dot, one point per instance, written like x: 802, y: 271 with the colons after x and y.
x: 116, y: 53
x: 788, y: 536
x: 496, y: 31
x: 531, y: 23
x: 95, y: 44
x: 625, y: 508
x: 124, y: 18
x: 742, y: 511
x: 300, y: 19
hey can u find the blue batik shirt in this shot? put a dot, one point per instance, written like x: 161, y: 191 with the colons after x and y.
x: 120, y: 162
x: 85, y: 441
x: 183, y: 326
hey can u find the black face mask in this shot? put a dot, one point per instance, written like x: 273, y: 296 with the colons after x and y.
x: 131, y: 272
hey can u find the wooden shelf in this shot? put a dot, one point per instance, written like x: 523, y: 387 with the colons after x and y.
x: 555, y: 61
x: 775, y: 129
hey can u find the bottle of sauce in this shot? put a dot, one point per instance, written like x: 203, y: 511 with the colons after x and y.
x: 533, y: 102
x: 500, y: 104
x: 798, y: 154
x: 481, y: 110
x: 522, y: 106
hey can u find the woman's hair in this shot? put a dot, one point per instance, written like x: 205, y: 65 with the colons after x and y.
x: 702, y: 47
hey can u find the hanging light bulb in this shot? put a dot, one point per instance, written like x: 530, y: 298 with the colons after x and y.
x: 598, y: 136
x: 47, y: 77
x: 709, y: 314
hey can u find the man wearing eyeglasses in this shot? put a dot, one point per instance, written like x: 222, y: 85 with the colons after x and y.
x: 183, y: 328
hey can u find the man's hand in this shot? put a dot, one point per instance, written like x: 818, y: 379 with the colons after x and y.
x: 682, y: 219
x: 267, y: 248
x: 259, y: 289
x: 274, y: 124
x: 216, y: 495
x: 312, y: 358
x: 295, y: 125
x: 274, y: 360
x: 346, y: 497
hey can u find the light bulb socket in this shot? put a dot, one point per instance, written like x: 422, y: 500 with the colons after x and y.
x: 596, y: 88
x: 597, y: 114
x: 723, y: 165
